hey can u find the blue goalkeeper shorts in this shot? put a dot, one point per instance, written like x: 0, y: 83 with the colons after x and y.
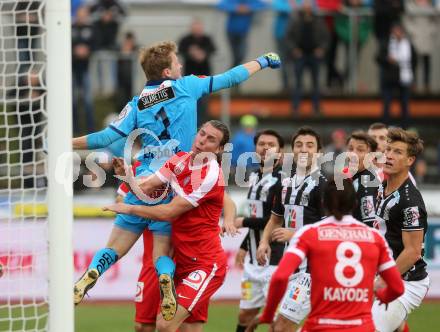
x: 137, y: 224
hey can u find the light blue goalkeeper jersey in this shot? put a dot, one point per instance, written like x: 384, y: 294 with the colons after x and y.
x: 166, y: 114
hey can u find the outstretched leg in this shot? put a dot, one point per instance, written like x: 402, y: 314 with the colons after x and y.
x: 119, y: 243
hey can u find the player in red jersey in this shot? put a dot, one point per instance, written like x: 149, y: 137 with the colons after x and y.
x: 147, y: 291
x: 194, y: 211
x: 344, y: 256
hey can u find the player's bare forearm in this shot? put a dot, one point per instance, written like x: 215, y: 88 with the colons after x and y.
x: 273, y: 223
x: 407, y: 259
x: 229, y: 209
x: 150, y: 183
x: 163, y: 212
x: 79, y: 143
x: 412, y: 251
x: 229, y: 213
x: 252, y: 67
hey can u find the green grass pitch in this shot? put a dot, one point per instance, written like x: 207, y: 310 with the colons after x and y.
x: 222, y: 318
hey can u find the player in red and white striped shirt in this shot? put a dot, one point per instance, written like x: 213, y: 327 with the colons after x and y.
x: 344, y: 256
x: 147, y: 291
x: 196, y: 178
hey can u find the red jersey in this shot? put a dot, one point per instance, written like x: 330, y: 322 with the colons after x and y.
x: 343, y: 258
x: 196, y: 234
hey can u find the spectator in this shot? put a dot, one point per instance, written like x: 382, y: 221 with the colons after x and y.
x: 82, y: 43
x: 27, y: 28
x: 330, y: 9
x: 438, y: 158
x: 107, y: 16
x: 126, y: 63
x: 243, y: 141
x: 239, y: 21
x: 74, y: 6
x: 283, y: 10
x: 362, y: 26
x: 30, y: 95
x: 197, y: 49
x: 422, y: 30
x: 397, y: 73
x: 386, y: 14
x: 307, y: 40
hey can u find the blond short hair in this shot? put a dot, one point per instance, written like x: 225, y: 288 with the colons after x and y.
x: 155, y: 58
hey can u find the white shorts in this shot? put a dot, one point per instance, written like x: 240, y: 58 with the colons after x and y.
x: 255, y: 285
x: 389, y: 319
x: 295, y: 305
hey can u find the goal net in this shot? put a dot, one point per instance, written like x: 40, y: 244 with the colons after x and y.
x: 24, y: 226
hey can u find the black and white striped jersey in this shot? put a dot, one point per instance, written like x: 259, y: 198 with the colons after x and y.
x: 366, y: 197
x: 300, y: 200
x: 260, y: 200
x: 402, y: 211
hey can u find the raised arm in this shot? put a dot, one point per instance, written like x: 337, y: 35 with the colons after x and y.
x: 241, y: 73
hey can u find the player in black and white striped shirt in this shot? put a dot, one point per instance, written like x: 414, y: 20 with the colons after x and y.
x: 299, y: 203
x: 365, y: 179
x: 401, y: 217
x: 263, y: 184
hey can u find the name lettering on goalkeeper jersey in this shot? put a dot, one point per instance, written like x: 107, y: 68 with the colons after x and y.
x: 340, y: 294
x: 156, y: 97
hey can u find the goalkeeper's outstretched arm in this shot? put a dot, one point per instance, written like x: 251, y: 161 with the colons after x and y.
x: 98, y: 140
x: 241, y: 73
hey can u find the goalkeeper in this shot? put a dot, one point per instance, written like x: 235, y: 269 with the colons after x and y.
x: 166, y: 113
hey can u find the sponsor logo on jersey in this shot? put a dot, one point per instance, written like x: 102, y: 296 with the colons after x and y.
x: 367, y: 207
x: 360, y: 234
x: 122, y: 115
x: 295, y: 293
x: 283, y: 194
x: 246, y: 290
x: 304, y: 199
x: 411, y: 217
x: 342, y: 294
x: 156, y: 97
x: 178, y: 169
x: 292, y: 218
x: 195, y: 279
x: 186, y: 180
x: 253, y: 210
x: 139, y: 292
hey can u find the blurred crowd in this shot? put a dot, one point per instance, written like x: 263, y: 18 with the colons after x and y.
x: 307, y: 34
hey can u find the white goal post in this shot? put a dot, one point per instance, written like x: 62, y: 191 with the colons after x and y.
x: 59, y: 104
x: 36, y: 256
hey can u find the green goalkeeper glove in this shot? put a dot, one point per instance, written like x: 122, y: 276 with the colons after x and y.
x: 271, y: 60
